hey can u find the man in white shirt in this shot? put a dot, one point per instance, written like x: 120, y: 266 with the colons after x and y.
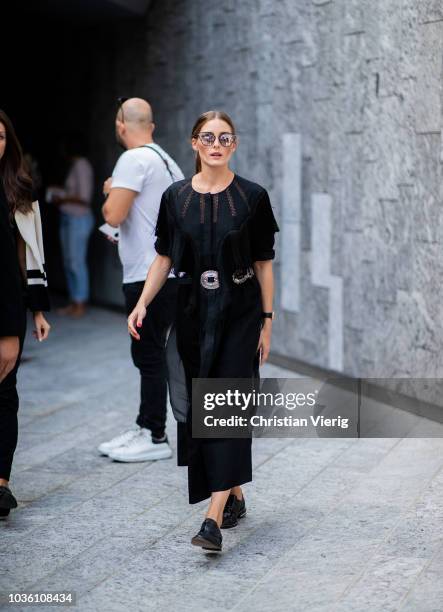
x: 141, y: 175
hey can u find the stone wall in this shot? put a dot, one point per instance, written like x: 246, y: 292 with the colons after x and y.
x: 338, y: 107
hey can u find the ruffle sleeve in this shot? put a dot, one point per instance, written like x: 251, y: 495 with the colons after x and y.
x: 262, y: 229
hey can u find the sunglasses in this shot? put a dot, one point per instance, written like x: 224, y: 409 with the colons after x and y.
x: 226, y: 139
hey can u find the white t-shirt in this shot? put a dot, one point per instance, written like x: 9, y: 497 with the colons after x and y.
x: 142, y: 170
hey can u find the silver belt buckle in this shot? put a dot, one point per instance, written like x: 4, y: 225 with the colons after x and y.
x: 240, y: 277
x: 209, y: 279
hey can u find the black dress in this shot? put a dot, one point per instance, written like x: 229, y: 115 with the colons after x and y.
x: 216, y: 331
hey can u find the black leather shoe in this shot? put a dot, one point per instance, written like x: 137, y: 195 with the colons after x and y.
x: 7, y: 500
x: 209, y: 536
x: 4, y: 513
x: 234, y: 510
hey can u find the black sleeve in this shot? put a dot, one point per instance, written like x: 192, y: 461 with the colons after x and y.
x: 262, y: 228
x: 11, y: 296
x: 163, y: 228
x: 38, y: 298
x: 11, y: 300
x: 37, y: 293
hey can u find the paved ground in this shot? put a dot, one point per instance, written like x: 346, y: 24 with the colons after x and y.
x: 333, y: 525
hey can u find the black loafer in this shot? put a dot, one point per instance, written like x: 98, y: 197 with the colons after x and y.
x: 209, y: 536
x: 7, y: 500
x: 234, y: 510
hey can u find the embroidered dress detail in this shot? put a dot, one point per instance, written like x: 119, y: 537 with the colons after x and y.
x: 215, y: 207
x: 231, y: 202
x: 186, y: 204
x: 183, y: 187
x: 241, y: 192
x: 202, y: 208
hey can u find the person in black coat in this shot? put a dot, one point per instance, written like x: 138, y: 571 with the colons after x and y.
x: 216, y: 229
x: 15, y: 196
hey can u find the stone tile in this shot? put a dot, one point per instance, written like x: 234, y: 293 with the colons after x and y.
x: 342, y: 519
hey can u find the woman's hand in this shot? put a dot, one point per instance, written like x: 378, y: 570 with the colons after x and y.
x: 264, y: 343
x: 135, y: 319
x: 42, y: 327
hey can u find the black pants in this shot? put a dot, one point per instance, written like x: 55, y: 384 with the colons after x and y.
x: 148, y: 353
x: 8, y: 413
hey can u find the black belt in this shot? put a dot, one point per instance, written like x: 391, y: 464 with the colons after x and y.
x: 209, y: 279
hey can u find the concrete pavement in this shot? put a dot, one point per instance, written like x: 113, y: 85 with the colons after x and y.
x: 333, y: 524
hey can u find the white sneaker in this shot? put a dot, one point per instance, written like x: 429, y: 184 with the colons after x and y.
x: 141, y: 448
x: 119, y: 440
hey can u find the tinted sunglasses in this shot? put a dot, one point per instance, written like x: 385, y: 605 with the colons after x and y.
x: 226, y: 139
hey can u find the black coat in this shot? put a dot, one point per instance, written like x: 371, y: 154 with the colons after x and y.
x: 11, y: 284
x: 15, y: 294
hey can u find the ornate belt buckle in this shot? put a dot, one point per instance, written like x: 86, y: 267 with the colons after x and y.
x: 209, y: 279
x: 240, y: 276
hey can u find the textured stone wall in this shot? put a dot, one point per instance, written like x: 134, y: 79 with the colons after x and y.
x: 339, y: 109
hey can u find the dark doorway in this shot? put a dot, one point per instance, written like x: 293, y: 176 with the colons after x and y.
x: 49, y: 50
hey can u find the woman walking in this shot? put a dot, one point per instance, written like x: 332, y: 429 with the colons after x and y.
x: 216, y: 230
x: 22, y: 285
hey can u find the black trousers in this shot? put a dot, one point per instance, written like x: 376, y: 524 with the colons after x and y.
x: 8, y: 413
x: 148, y: 353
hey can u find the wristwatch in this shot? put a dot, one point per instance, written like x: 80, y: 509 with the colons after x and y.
x: 268, y: 315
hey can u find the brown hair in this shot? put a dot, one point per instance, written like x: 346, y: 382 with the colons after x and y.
x: 13, y: 174
x: 204, y: 117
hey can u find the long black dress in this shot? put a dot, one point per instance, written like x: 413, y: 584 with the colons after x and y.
x: 216, y: 331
